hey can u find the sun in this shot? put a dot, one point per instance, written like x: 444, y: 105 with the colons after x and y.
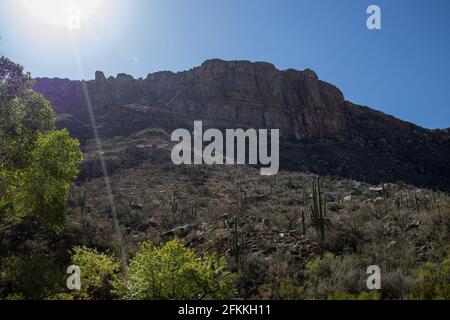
x: 71, y: 14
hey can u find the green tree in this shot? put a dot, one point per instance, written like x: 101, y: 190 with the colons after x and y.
x: 97, y: 270
x: 34, y: 275
x: 173, y: 271
x: 433, y: 281
x: 37, y: 163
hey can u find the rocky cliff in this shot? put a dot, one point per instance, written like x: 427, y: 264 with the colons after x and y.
x: 322, y: 132
x: 223, y: 94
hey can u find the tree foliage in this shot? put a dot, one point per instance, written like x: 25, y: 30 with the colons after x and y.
x: 173, y: 271
x: 34, y: 275
x: 433, y: 281
x: 37, y: 163
x: 97, y: 270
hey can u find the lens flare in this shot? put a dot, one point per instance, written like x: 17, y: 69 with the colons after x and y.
x: 70, y: 14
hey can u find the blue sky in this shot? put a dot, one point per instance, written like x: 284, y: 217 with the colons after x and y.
x: 402, y: 69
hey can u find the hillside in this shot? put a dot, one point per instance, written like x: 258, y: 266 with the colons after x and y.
x: 384, y: 183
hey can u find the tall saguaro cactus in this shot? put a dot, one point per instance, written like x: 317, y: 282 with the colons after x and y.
x: 82, y: 202
x: 303, y: 224
x: 236, y: 244
x: 174, y: 207
x: 236, y: 241
x: 318, y: 208
x: 242, y: 202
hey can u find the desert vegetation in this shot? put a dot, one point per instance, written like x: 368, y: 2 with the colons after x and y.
x: 199, y: 232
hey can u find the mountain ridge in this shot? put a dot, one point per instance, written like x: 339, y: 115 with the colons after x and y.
x: 100, y: 76
x: 309, y: 112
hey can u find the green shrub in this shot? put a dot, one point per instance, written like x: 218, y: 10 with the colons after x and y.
x: 329, y: 274
x: 97, y: 270
x: 433, y: 281
x: 173, y: 271
x: 32, y: 276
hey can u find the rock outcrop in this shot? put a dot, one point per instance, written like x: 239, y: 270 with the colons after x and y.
x: 322, y: 132
x: 222, y: 94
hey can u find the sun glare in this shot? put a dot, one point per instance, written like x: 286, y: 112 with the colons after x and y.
x: 70, y: 14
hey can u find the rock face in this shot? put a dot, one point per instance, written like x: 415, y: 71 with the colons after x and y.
x: 222, y: 94
x: 322, y: 132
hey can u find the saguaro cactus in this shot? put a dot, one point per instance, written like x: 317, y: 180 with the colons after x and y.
x: 194, y: 208
x: 236, y: 244
x: 242, y: 202
x: 318, y: 208
x: 174, y: 204
x: 174, y: 208
x: 303, y: 223
x: 82, y: 202
x: 236, y: 241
